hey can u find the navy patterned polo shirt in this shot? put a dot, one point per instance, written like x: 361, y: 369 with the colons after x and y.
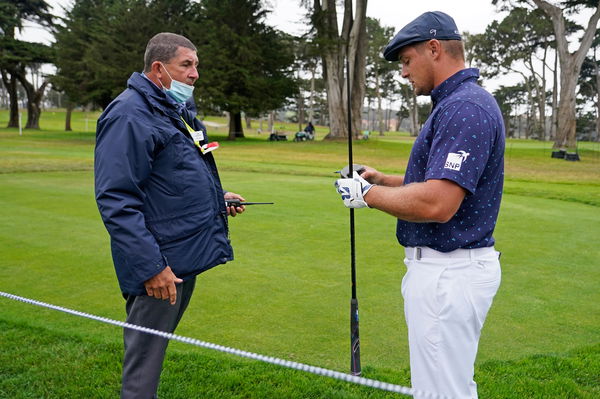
x: 462, y: 141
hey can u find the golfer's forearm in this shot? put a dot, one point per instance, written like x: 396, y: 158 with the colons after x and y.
x: 398, y: 203
x: 417, y: 202
x: 392, y: 180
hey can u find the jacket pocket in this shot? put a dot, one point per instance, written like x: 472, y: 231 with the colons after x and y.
x: 174, y: 228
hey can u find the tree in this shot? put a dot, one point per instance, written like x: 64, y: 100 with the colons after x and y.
x: 334, y: 47
x: 72, y: 41
x: 570, y: 67
x: 509, y: 99
x: 17, y: 56
x: 589, y: 81
x: 497, y: 53
x: 379, y: 71
x: 245, y: 65
x: 306, y: 65
x: 409, y: 98
x: 31, y: 56
x: 98, y: 49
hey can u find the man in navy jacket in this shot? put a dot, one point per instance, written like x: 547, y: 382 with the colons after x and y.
x: 161, y: 200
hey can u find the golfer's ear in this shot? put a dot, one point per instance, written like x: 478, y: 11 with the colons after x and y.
x: 434, y: 47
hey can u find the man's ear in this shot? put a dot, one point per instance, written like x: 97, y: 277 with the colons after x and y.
x: 156, y: 68
x: 434, y: 47
x: 156, y: 73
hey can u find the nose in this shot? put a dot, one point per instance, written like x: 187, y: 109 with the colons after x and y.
x: 194, y: 73
x: 404, y: 72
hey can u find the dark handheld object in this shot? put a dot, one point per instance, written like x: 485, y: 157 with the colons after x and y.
x: 236, y: 203
x: 355, y: 167
x: 354, y: 337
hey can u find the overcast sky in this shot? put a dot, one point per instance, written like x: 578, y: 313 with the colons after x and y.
x: 470, y: 15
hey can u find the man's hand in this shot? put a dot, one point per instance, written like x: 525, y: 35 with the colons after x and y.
x: 353, y: 190
x: 234, y: 210
x: 372, y: 175
x: 162, y: 286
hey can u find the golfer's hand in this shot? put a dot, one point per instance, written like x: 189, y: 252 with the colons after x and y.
x: 162, y: 286
x: 372, y: 175
x: 234, y: 210
x: 353, y: 191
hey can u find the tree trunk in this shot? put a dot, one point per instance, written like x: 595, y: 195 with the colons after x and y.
x: 537, y: 97
x: 34, y: 99
x: 597, y: 103
x: 235, y: 125
x: 272, y: 122
x: 570, y: 67
x: 414, y: 115
x: 336, y: 100
x: 13, y: 97
x: 379, y: 110
x: 530, y: 112
x: 68, y: 116
x: 542, y: 99
x: 553, y: 119
x: 300, y: 106
x: 507, y: 126
x: 388, y: 116
x: 399, y: 120
x: 368, y: 127
x: 373, y: 117
x: 312, y: 92
x: 358, y: 62
x: 351, y: 43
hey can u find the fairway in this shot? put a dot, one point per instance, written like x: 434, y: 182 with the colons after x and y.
x: 287, y: 292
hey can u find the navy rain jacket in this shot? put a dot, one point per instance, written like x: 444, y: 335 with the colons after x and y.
x: 161, y: 200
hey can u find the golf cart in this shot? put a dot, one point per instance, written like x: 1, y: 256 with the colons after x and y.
x: 304, y: 136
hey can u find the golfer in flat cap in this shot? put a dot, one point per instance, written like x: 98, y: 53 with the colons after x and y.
x: 446, y: 204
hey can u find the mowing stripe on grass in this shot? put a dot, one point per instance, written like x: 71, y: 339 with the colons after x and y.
x: 267, y: 359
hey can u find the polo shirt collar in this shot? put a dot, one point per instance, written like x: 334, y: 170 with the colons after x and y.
x: 452, y: 83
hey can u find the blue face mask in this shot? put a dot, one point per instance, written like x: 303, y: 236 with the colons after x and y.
x: 179, y: 91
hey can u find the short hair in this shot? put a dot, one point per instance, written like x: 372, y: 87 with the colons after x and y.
x: 163, y: 46
x: 454, y: 48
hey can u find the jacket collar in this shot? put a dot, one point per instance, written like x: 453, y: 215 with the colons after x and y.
x: 157, y: 98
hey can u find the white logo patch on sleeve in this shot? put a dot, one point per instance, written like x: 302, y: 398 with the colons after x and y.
x: 455, y: 160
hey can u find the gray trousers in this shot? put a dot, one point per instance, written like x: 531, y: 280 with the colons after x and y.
x: 144, y: 353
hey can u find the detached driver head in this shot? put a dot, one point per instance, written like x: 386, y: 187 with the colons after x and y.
x: 355, y: 167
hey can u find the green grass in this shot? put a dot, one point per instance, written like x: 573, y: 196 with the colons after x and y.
x: 287, y: 292
x: 65, y: 365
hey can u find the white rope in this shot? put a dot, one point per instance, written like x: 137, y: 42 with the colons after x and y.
x: 267, y: 359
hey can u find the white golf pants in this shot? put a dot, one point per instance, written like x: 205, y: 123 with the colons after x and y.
x: 446, y: 300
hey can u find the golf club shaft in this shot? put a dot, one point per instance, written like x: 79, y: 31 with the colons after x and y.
x: 354, y: 335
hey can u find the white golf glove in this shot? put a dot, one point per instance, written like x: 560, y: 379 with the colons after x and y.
x: 353, y: 190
